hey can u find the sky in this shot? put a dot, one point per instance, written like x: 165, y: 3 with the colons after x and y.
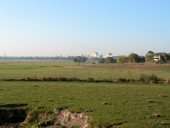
x: 80, y: 27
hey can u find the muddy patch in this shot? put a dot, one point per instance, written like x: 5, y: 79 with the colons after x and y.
x: 19, y: 115
x: 67, y: 119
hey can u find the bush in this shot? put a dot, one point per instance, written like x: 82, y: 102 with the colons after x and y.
x: 149, y: 79
x: 167, y: 81
x: 74, y: 79
x: 106, y: 80
x: 89, y: 79
x: 62, y: 79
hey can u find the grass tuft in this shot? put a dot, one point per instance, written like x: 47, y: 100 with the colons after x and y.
x: 150, y: 101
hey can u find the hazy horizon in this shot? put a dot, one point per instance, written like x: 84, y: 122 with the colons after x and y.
x: 70, y: 28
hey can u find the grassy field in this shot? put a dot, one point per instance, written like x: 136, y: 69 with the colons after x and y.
x: 128, y: 105
x: 39, y: 69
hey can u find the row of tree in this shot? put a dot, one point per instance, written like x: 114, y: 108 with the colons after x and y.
x: 80, y: 59
x: 36, y: 58
x: 107, y: 60
x: 132, y: 58
x: 135, y: 58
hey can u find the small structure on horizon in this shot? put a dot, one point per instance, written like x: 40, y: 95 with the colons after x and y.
x: 157, y: 58
x: 109, y: 55
x: 95, y: 54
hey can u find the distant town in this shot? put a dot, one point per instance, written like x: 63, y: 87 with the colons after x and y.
x: 151, y: 57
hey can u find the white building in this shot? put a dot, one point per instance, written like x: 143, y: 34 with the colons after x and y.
x: 95, y: 54
x: 109, y: 55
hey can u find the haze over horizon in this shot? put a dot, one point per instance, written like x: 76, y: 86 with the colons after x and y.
x: 72, y: 27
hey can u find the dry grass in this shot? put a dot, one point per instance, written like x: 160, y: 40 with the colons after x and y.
x: 150, y: 101
x: 39, y: 69
x: 162, y: 95
x: 156, y: 114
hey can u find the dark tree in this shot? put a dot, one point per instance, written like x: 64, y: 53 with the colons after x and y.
x: 102, y: 60
x: 75, y: 60
x: 83, y: 59
x: 142, y: 59
x: 133, y: 57
x: 165, y: 56
x: 122, y: 59
x: 80, y: 59
x: 110, y: 60
x: 149, y: 56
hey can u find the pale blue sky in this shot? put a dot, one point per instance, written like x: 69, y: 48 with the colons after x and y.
x: 76, y: 27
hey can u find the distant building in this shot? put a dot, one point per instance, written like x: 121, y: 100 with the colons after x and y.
x: 157, y: 58
x: 95, y: 54
x: 109, y: 55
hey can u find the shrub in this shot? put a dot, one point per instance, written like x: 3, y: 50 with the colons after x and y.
x: 62, y: 79
x: 106, y: 80
x: 74, y: 79
x: 89, y: 79
x: 149, y: 79
x: 167, y: 81
x: 121, y: 80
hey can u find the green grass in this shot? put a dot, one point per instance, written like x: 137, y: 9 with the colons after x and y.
x: 127, y: 103
x: 39, y: 69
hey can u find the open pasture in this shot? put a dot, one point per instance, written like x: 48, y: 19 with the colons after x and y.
x: 39, y: 69
x: 114, y: 105
x: 107, y: 104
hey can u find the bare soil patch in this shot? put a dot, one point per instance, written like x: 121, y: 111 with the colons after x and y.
x: 67, y: 119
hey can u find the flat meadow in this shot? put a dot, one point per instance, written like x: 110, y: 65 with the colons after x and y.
x: 106, y: 104
x: 39, y: 69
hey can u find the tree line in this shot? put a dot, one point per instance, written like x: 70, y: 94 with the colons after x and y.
x: 36, y: 58
x: 131, y: 58
x: 135, y: 58
x: 80, y: 59
x: 150, y: 54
